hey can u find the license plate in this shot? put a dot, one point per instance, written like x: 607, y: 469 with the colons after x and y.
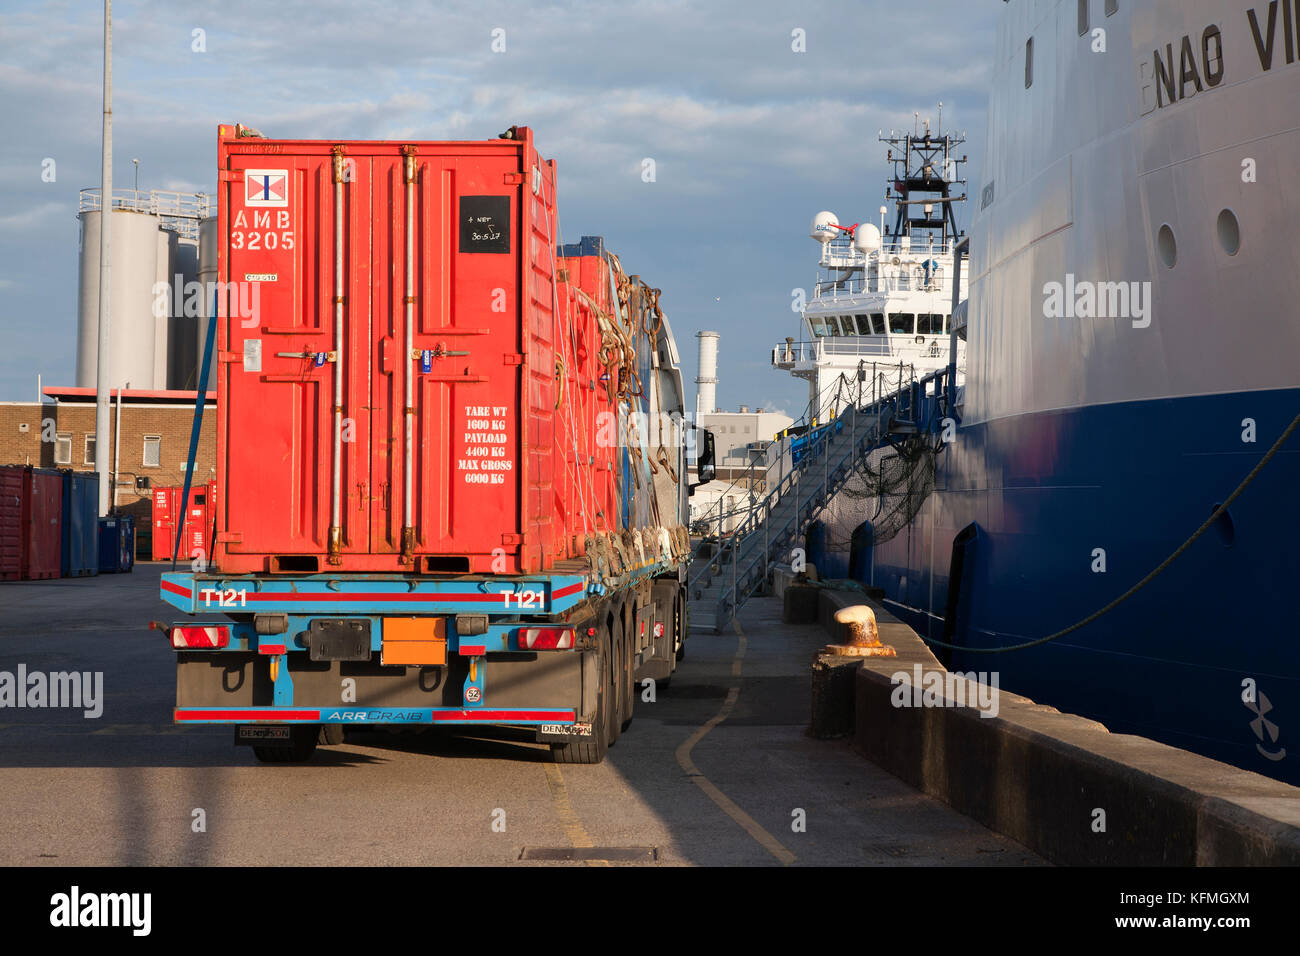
x: 264, y: 733
x: 567, y: 730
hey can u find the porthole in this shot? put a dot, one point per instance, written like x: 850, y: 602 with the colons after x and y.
x: 1167, y: 246
x: 1229, y: 232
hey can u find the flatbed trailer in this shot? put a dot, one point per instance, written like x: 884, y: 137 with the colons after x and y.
x: 294, y: 659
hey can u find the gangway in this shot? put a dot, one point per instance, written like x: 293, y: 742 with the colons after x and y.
x: 823, y: 460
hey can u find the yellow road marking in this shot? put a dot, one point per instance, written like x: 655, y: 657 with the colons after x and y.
x: 573, y: 828
x: 725, y: 803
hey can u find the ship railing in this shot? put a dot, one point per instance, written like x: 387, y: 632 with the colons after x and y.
x: 839, y: 253
x: 902, y: 280
x: 788, y: 353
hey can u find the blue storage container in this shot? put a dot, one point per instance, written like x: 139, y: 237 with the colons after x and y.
x: 116, y: 544
x: 80, y: 554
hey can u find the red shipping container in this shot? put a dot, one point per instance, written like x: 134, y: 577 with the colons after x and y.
x: 12, y: 483
x: 325, y: 337
x: 163, y: 521
x: 198, y: 521
x: 31, y: 522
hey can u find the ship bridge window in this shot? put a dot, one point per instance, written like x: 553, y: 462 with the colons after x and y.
x: 817, y: 324
x: 878, y: 323
x: 901, y: 322
x: 929, y: 323
x: 864, y: 323
x: 846, y: 325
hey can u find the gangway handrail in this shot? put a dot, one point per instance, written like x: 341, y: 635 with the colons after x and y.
x: 885, y: 411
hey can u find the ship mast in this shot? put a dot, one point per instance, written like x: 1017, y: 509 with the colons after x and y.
x: 926, y: 168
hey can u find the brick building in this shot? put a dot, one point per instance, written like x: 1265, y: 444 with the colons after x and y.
x: 154, y: 449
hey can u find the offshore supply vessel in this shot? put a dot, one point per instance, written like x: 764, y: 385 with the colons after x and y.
x: 1128, y: 343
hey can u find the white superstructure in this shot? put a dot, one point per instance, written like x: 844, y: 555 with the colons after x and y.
x: 880, y: 312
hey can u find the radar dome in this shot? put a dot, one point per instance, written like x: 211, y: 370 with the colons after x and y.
x: 823, y: 226
x: 867, y: 238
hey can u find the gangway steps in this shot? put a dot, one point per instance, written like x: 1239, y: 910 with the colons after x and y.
x: 739, y: 567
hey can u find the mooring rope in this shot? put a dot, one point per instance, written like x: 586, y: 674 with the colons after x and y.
x: 1218, y: 512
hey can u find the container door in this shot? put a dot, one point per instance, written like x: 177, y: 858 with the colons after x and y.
x: 464, y: 365
x: 279, y: 232
x: 162, y: 524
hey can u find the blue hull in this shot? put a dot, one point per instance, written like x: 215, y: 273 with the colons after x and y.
x: 1173, y: 662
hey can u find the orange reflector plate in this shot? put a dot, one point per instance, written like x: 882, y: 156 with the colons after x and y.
x: 413, y: 641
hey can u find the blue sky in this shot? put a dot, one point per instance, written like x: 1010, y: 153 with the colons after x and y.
x: 749, y: 138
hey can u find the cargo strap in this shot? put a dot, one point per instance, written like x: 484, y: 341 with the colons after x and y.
x: 208, y: 347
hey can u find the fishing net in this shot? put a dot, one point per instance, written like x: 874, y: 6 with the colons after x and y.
x: 887, y: 489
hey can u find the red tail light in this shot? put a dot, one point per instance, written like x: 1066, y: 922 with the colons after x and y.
x: 200, y: 638
x: 546, y: 638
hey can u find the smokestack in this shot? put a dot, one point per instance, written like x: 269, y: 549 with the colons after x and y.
x: 706, y: 393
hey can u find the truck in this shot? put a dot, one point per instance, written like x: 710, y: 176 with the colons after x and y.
x: 453, y: 455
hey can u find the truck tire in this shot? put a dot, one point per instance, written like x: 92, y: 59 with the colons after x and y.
x: 628, y: 673
x: 330, y: 735
x: 594, y: 748
x: 616, y: 706
x: 681, y: 625
x: 300, y: 750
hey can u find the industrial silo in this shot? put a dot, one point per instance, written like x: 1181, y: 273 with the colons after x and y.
x: 134, y: 271
x: 208, y: 243
x: 164, y: 295
x: 185, y: 320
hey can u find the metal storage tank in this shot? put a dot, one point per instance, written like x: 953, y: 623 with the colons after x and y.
x: 134, y: 271
x: 164, y: 295
x: 208, y: 245
x: 184, y: 328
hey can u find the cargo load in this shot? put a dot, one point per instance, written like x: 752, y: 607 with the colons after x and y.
x: 451, y: 453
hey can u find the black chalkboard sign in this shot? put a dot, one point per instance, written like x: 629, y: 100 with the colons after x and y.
x: 484, y: 223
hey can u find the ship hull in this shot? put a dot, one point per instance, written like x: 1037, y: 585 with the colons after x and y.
x: 1069, y: 510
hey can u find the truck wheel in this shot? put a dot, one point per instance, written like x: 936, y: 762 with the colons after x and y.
x: 300, y: 749
x: 593, y: 748
x: 616, y: 704
x: 330, y: 735
x: 627, y: 675
x: 680, y: 617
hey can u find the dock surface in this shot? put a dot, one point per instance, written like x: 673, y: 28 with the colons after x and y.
x: 718, y: 770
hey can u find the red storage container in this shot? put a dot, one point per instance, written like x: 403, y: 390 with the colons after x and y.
x: 198, y: 521
x: 12, y: 494
x: 163, y: 520
x: 43, y: 553
x: 490, y: 426
x: 31, y: 522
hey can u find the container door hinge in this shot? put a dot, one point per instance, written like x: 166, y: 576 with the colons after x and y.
x: 514, y: 179
x: 512, y: 539
x: 229, y: 175
x: 230, y: 537
x: 512, y: 358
